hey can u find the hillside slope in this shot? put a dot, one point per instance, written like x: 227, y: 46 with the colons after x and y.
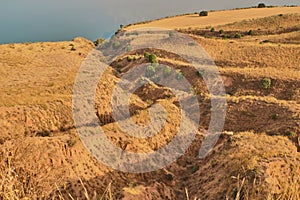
x: 216, y: 18
x: 257, y: 156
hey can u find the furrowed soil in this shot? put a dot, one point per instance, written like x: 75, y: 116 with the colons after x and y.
x: 257, y: 156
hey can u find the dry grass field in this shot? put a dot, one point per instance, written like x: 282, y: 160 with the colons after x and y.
x: 257, y: 156
x: 216, y: 18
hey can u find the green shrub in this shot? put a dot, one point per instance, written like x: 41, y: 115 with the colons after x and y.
x: 250, y: 32
x: 291, y: 134
x: 167, y: 71
x: 200, y: 72
x: 179, y: 75
x: 237, y: 35
x: 146, y: 55
x: 150, y: 71
x: 203, y: 13
x: 155, y: 78
x: 128, y: 48
x: 169, y: 177
x: 221, y: 31
x: 129, y: 59
x: 266, y: 83
x: 152, y: 58
x: 171, y: 34
x: 99, y: 41
x: 225, y: 37
x: 119, y: 68
x: 275, y: 116
x: 195, y: 169
x: 155, y: 65
x: 212, y: 30
x: 261, y: 5
x: 116, y: 44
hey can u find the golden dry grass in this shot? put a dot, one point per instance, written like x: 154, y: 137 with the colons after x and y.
x: 216, y: 18
x: 36, y: 73
x: 39, y: 145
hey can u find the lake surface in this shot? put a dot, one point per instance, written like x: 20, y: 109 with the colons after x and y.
x: 36, y: 20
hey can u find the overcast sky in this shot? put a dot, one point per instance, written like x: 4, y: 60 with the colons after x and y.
x: 40, y: 20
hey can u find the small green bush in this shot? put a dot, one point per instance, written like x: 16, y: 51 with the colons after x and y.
x: 155, y: 65
x: 212, y: 30
x: 238, y: 36
x: 203, y: 13
x: 119, y: 68
x: 266, y: 83
x: 128, y: 48
x: 221, y: 31
x: 99, y: 41
x: 261, y: 5
x: 250, y: 32
x: 152, y: 58
x: 200, y: 72
x: 225, y: 37
x: 179, y: 75
x: 167, y: 71
x: 171, y: 34
x: 275, y: 116
x: 195, y: 169
x: 150, y: 71
x: 290, y: 134
x: 155, y: 79
x: 169, y: 177
x: 129, y: 59
x: 116, y: 44
x: 146, y: 55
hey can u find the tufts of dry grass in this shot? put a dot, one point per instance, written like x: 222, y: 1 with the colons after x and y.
x: 13, y: 186
x: 215, y: 18
x: 37, y: 84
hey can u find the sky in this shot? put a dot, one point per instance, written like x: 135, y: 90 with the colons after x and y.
x: 57, y: 20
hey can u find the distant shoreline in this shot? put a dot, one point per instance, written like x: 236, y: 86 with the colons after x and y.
x: 126, y: 26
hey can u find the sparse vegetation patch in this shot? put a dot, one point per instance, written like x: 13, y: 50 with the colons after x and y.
x: 266, y: 83
x: 203, y: 13
x: 261, y: 5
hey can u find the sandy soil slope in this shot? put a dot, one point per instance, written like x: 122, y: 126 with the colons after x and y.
x: 257, y: 156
